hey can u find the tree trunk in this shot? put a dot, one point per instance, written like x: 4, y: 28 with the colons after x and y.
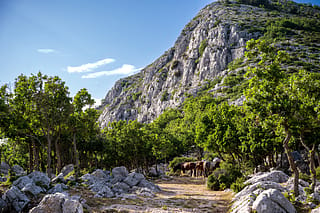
x: 313, y: 168
x: 58, y: 154
x: 96, y: 160
x: 291, y: 162
x: 49, y: 156
x: 76, y: 156
x: 318, y: 158
x: 312, y: 163
x: 36, y: 156
x: 31, y: 156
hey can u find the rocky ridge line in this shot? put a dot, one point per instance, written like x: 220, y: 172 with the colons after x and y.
x: 202, y: 52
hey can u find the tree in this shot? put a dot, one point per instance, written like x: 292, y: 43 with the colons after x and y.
x: 4, y: 108
x: 306, y: 87
x: 25, y: 123
x: 259, y: 140
x: 271, y: 95
x: 166, y: 132
x: 42, y: 107
x: 223, y: 134
x: 79, y: 120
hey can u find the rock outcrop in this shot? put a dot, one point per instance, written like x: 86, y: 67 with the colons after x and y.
x: 271, y: 201
x: 120, y: 184
x: 265, y: 193
x: 200, y: 57
x: 26, y: 189
x: 16, y: 199
x: 58, y: 203
x: 201, y: 53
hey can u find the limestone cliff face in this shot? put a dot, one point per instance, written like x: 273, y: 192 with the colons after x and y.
x: 202, y: 52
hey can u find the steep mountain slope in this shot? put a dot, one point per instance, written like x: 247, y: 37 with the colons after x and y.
x: 200, y: 58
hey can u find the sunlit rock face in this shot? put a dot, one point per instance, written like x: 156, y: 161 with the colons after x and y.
x: 202, y: 52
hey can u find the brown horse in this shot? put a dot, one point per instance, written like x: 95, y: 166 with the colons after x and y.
x: 200, y: 168
x: 185, y: 167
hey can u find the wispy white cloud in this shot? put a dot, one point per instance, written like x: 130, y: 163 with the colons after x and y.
x: 97, y: 102
x: 90, y: 66
x: 46, y: 51
x: 126, y: 69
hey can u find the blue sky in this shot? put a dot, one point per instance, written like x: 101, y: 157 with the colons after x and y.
x: 89, y: 43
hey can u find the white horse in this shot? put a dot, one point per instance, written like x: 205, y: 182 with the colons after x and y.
x: 210, y: 166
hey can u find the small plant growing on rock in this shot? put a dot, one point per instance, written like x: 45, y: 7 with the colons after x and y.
x: 238, y: 185
x: 177, y: 73
x: 290, y: 196
x: 165, y: 96
x: 175, y: 64
x: 203, y: 46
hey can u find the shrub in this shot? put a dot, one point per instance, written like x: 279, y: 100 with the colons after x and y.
x: 318, y: 173
x: 174, y: 65
x: 233, y: 79
x: 202, y: 46
x: 12, y: 176
x: 135, y: 96
x: 305, y: 177
x: 177, y: 73
x: 165, y: 96
x: 213, y: 182
x: 224, y: 177
x: 238, y: 185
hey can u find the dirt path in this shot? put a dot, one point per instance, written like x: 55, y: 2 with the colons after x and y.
x: 186, y: 194
x: 179, y: 194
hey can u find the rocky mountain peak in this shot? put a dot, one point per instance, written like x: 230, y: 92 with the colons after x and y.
x: 201, y: 54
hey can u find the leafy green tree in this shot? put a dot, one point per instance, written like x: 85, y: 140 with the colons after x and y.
x: 194, y: 123
x: 25, y: 123
x: 224, y: 136
x: 259, y: 140
x: 306, y: 89
x: 4, y: 108
x: 167, y: 135
x: 81, y: 121
x: 42, y: 106
x: 271, y: 94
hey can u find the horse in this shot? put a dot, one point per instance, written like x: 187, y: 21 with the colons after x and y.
x: 200, y: 168
x: 210, y: 166
x: 185, y: 167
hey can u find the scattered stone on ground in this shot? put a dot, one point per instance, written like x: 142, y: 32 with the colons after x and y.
x: 266, y: 194
x: 119, y: 183
x: 58, y: 202
x: 18, y: 170
x: 272, y: 200
x: 123, y: 191
x: 16, y: 199
x: 4, y: 168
